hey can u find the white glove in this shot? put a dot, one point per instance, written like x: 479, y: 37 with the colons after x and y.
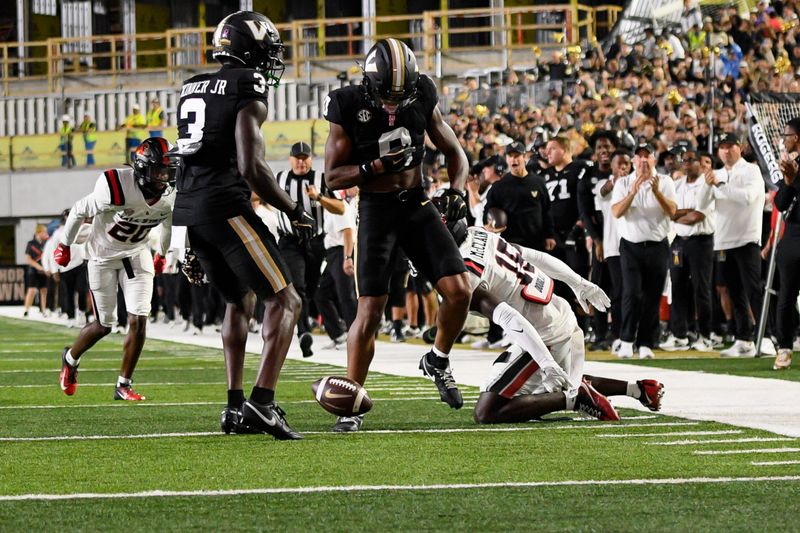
x: 589, y: 294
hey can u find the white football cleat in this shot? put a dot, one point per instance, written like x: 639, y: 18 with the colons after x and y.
x: 645, y: 352
x: 740, y: 348
x: 673, y: 344
x: 784, y: 359
x: 625, y: 350
x: 768, y: 347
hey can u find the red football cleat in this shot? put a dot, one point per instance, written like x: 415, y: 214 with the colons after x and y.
x: 594, y: 404
x: 651, y: 393
x: 68, y: 379
x: 127, y: 394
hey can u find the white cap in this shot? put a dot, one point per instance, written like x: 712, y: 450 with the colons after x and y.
x: 66, y: 118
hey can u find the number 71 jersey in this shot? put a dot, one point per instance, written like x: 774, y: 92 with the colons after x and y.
x: 122, y: 217
x: 500, y: 268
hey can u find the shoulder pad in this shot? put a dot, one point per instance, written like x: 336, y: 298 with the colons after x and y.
x: 115, y: 189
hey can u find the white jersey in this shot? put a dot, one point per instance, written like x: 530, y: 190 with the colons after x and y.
x: 122, y: 217
x: 505, y: 272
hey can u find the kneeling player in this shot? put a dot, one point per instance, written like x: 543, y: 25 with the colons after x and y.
x: 542, y: 371
x: 126, y: 204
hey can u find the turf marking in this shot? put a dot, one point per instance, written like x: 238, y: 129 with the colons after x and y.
x: 774, y: 463
x: 382, y: 488
x: 491, y: 429
x: 720, y: 441
x: 673, y: 434
x: 757, y: 450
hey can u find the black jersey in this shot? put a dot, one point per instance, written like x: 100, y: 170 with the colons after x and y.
x: 210, y: 187
x: 527, y: 206
x: 591, y: 216
x: 562, y: 186
x: 375, y: 132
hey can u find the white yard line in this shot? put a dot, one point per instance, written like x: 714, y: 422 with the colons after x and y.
x: 720, y: 441
x: 774, y: 463
x: 674, y: 434
x: 384, y: 488
x: 482, y: 429
x: 737, y: 452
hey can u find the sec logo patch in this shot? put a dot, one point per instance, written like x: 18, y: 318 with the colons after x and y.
x: 364, y: 115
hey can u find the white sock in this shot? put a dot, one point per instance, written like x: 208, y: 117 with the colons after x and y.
x: 523, y: 334
x: 69, y: 359
x: 634, y: 391
x: 123, y: 382
x: 571, y: 395
x: 438, y: 353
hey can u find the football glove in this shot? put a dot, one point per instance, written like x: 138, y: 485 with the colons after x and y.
x: 398, y: 159
x: 62, y: 254
x: 192, y: 268
x: 456, y: 205
x: 303, y: 225
x: 159, y: 262
x: 589, y: 294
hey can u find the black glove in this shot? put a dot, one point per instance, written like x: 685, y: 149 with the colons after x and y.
x: 398, y: 159
x: 192, y: 268
x: 456, y: 205
x: 303, y: 225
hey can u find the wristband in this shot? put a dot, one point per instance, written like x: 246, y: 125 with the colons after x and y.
x: 349, y: 257
x: 365, y: 170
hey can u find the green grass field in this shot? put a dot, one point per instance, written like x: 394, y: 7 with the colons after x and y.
x: 416, y: 464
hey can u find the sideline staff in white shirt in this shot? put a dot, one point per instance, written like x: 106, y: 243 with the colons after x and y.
x: 643, y: 203
x: 739, y: 193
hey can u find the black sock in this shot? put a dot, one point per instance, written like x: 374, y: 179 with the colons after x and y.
x: 398, y: 326
x: 236, y: 398
x: 261, y: 395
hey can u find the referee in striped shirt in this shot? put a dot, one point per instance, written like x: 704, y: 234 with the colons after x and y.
x: 304, y: 258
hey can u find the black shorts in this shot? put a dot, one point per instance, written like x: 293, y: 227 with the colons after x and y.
x: 398, y: 281
x: 239, y: 254
x: 409, y: 220
x: 35, y: 279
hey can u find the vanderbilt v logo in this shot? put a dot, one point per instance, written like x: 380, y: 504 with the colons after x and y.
x: 535, y: 194
x: 258, y: 27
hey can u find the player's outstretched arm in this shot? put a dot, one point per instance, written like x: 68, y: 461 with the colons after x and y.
x: 250, y: 157
x: 515, y: 326
x: 445, y: 140
x: 586, y: 291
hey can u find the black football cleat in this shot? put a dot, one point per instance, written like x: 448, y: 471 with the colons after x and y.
x: 443, y: 378
x: 348, y: 424
x: 267, y: 418
x: 230, y: 421
x: 306, y: 340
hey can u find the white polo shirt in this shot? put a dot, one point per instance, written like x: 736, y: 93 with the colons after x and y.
x: 739, y: 206
x: 610, y: 232
x: 644, y: 220
x: 699, y: 197
x: 335, y: 226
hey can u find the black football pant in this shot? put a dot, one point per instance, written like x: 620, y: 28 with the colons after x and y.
x: 73, y: 282
x: 614, y: 269
x: 690, y: 268
x: 336, y: 294
x: 644, y: 268
x: 571, y: 248
x: 788, y: 264
x: 304, y: 261
x: 741, y: 270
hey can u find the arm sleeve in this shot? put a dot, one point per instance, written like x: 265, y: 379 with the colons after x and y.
x: 331, y: 110
x: 784, y: 196
x: 553, y: 267
x: 166, y: 236
x: 48, y: 261
x: 88, y: 206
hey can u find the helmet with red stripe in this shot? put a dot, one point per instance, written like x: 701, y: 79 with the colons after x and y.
x: 153, y: 168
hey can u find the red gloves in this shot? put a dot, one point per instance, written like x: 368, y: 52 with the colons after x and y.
x: 62, y: 254
x: 159, y: 262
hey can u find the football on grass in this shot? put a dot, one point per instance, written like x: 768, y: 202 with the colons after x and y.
x: 341, y: 396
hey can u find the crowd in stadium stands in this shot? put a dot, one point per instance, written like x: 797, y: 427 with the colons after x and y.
x: 584, y: 154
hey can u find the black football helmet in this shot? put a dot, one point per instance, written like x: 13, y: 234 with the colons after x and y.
x: 253, y: 40
x: 391, y: 73
x: 153, y: 169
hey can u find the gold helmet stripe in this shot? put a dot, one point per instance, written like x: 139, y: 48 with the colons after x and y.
x: 398, y: 65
